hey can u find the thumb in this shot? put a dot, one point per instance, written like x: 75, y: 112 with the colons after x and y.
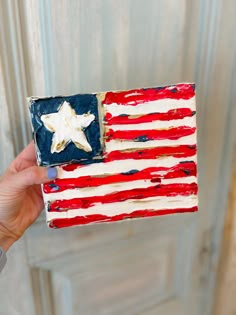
x: 31, y: 176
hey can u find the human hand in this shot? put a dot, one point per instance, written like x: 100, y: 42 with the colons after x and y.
x: 20, y: 195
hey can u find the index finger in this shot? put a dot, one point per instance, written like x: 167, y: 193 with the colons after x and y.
x: 28, y: 153
x: 25, y: 159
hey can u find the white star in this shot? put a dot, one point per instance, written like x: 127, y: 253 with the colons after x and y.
x: 67, y: 127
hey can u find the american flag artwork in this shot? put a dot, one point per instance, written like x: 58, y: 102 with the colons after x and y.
x: 120, y: 155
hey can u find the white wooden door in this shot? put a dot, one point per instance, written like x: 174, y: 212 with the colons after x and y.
x: 162, y: 265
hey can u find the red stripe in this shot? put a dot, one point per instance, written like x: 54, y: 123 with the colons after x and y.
x: 138, y: 119
x: 139, y: 154
x: 152, y: 153
x: 137, y: 96
x: 178, y: 171
x: 71, y: 167
x: 137, y: 193
x: 145, y: 135
x: 99, y: 218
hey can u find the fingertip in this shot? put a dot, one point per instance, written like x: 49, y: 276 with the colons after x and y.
x: 31, y: 176
x: 52, y: 172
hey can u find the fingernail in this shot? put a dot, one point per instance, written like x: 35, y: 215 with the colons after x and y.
x: 52, y: 172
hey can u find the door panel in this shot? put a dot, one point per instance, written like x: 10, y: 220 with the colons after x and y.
x: 137, y: 269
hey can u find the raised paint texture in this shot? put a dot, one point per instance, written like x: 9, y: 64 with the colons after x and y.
x: 137, y: 96
x: 143, y: 158
x: 137, y: 119
x: 142, y: 136
x: 137, y: 193
x: 67, y: 127
x: 99, y: 218
x: 152, y: 153
x: 81, y: 104
x: 155, y: 174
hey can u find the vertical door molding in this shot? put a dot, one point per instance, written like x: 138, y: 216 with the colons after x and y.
x: 6, y: 149
x: 15, y: 80
x: 15, y: 286
x: 226, y: 274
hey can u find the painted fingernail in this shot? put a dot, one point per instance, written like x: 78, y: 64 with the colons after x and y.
x: 52, y: 172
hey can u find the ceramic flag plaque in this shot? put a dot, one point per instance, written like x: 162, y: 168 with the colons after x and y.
x: 119, y: 155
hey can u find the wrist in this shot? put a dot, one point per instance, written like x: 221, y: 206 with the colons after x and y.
x: 6, y: 240
x: 6, y: 243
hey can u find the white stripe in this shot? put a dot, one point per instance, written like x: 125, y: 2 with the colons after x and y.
x: 157, y: 124
x: 129, y: 206
x: 180, y: 180
x: 116, y: 167
x: 124, y: 145
x: 159, y: 106
x: 112, y: 188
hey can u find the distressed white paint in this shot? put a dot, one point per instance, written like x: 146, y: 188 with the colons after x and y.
x: 6, y: 147
x: 226, y: 276
x: 101, y: 45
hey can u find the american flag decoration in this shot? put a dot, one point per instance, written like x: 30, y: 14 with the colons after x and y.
x: 120, y: 155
